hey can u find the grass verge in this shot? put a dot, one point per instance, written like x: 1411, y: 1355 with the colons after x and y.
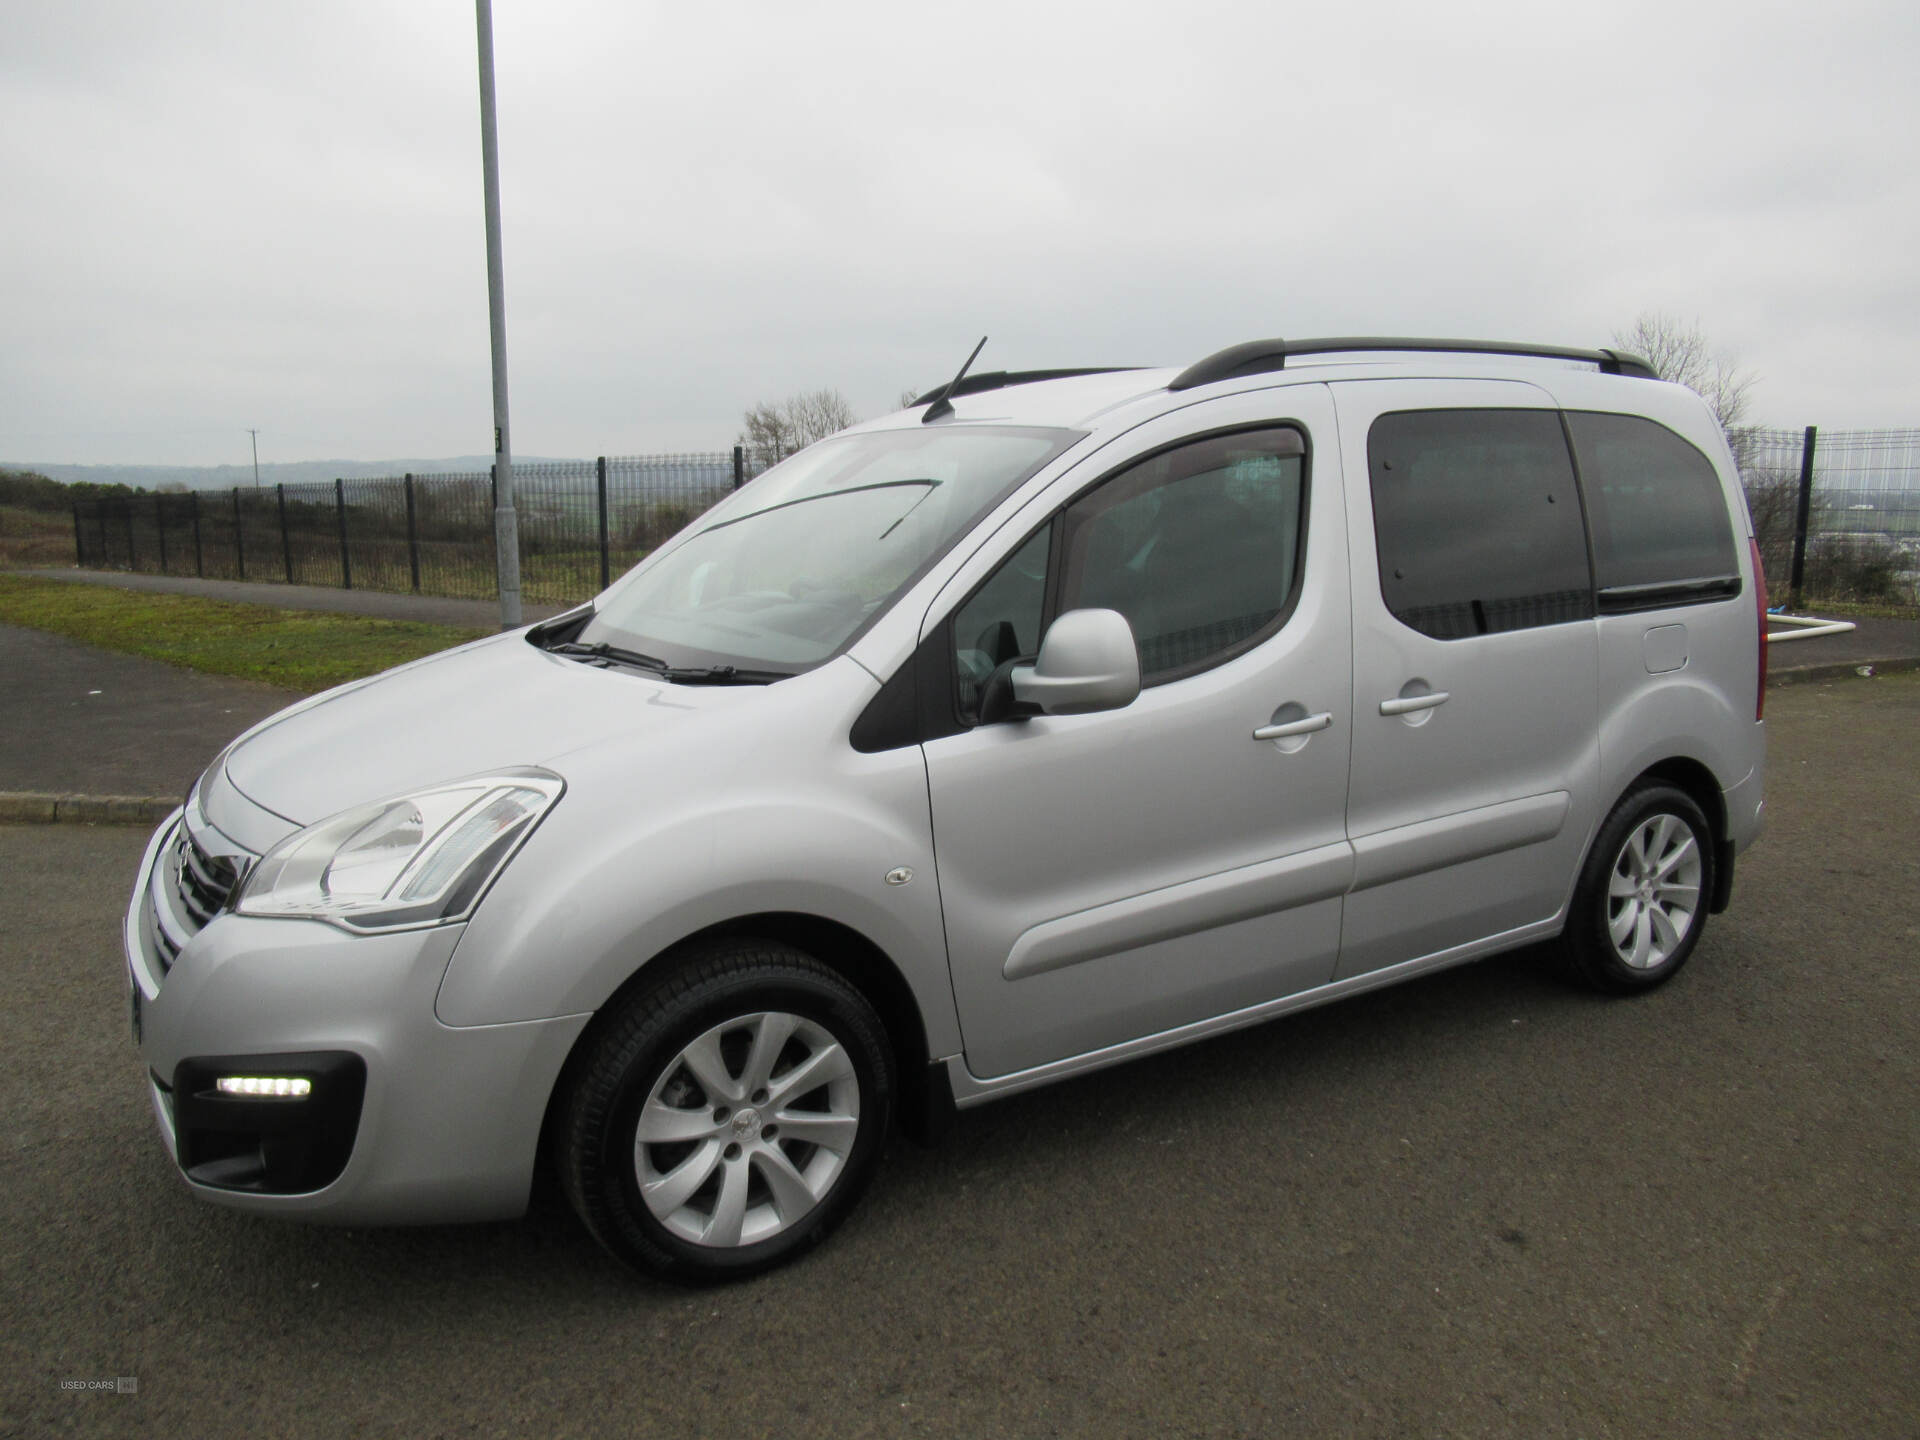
x: 34, y: 537
x: 299, y: 649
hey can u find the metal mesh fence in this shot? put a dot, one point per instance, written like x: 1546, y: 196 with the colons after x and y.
x: 581, y: 524
x: 1863, y: 519
x: 585, y: 522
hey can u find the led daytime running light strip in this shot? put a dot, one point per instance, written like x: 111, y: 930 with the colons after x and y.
x: 283, y: 1087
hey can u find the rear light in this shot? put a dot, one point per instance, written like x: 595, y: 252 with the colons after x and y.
x: 1760, y: 609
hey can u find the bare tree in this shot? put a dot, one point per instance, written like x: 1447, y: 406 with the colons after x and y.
x: 1678, y: 351
x: 772, y: 431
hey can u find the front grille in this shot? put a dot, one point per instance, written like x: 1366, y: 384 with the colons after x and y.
x: 188, y: 888
x: 205, y: 880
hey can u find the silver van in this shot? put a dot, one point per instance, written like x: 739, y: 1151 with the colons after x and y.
x: 1061, y: 718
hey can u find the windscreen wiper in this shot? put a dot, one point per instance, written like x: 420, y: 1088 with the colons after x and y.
x: 679, y: 675
x: 600, y: 650
x: 722, y: 675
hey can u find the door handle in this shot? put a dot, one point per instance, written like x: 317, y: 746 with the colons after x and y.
x: 1295, y: 727
x: 1407, y: 704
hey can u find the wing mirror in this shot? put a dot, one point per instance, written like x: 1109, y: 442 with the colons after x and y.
x: 1087, y: 662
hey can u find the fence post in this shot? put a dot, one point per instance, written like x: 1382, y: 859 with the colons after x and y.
x: 79, y: 545
x: 340, y: 510
x: 1800, y: 518
x: 286, y: 545
x: 239, y: 545
x: 199, y: 563
x: 413, y: 538
x: 739, y: 466
x: 127, y: 511
x: 100, y: 516
x: 600, y: 477
x: 160, y: 527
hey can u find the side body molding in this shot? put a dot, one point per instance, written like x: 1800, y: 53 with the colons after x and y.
x: 1406, y: 850
x: 1212, y: 900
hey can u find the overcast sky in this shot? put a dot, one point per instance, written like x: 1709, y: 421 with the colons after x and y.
x: 268, y: 213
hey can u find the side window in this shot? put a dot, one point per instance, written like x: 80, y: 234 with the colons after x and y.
x: 1659, y: 515
x: 1477, y: 521
x: 1002, y: 620
x: 1199, y: 547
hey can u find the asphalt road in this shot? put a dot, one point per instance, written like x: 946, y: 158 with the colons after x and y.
x: 1482, y: 1204
x: 80, y: 720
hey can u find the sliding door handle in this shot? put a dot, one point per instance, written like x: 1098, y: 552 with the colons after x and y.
x: 1408, y: 704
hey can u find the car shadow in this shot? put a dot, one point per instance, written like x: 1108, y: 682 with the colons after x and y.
x: 1340, y: 1054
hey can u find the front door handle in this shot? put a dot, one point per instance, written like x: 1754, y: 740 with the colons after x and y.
x: 1407, y: 704
x: 1295, y: 727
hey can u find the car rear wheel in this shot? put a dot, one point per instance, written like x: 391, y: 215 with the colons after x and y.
x: 728, y: 1116
x: 1642, y: 900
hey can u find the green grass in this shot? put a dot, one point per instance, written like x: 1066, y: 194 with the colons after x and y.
x: 299, y: 649
x: 35, y: 537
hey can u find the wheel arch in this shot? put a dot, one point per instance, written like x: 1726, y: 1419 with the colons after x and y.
x: 1702, y: 786
x: 925, y: 1100
x: 1685, y: 773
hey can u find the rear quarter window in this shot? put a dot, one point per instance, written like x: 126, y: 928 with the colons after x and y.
x: 1658, y: 512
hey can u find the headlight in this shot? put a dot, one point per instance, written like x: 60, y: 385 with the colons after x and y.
x: 421, y: 859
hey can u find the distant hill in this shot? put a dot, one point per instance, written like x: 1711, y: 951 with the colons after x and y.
x: 225, y: 477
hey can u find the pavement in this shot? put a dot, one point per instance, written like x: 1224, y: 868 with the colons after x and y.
x: 1483, y: 1204
x: 84, y: 722
x: 101, y: 737
x: 1887, y: 645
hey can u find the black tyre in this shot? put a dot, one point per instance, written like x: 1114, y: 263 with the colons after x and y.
x: 728, y: 1116
x: 1642, y: 900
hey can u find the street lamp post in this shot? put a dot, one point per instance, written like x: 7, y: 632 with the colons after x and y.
x: 506, y: 528
x: 254, y: 435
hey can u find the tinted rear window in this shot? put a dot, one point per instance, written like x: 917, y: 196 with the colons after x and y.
x: 1477, y: 521
x: 1659, y: 516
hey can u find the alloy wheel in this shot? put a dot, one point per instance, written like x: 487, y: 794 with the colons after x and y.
x: 747, y: 1129
x: 1653, y: 893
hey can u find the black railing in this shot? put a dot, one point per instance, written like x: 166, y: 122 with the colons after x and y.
x: 1836, y: 512
x: 581, y: 523
x: 1846, y: 502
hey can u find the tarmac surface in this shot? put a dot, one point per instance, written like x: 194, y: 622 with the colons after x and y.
x: 1480, y: 1204
x: 1871, y: 640
x: 80, y: 720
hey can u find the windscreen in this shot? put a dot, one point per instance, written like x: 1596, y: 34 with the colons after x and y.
x: 785, y: 575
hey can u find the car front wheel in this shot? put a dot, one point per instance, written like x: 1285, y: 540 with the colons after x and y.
x: 728, y: 1116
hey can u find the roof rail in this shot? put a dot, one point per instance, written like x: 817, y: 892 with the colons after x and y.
x: 1000, y: 379
x: 1257, y: 357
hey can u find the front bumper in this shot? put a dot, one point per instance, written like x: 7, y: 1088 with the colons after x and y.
x: 448, y: 1122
